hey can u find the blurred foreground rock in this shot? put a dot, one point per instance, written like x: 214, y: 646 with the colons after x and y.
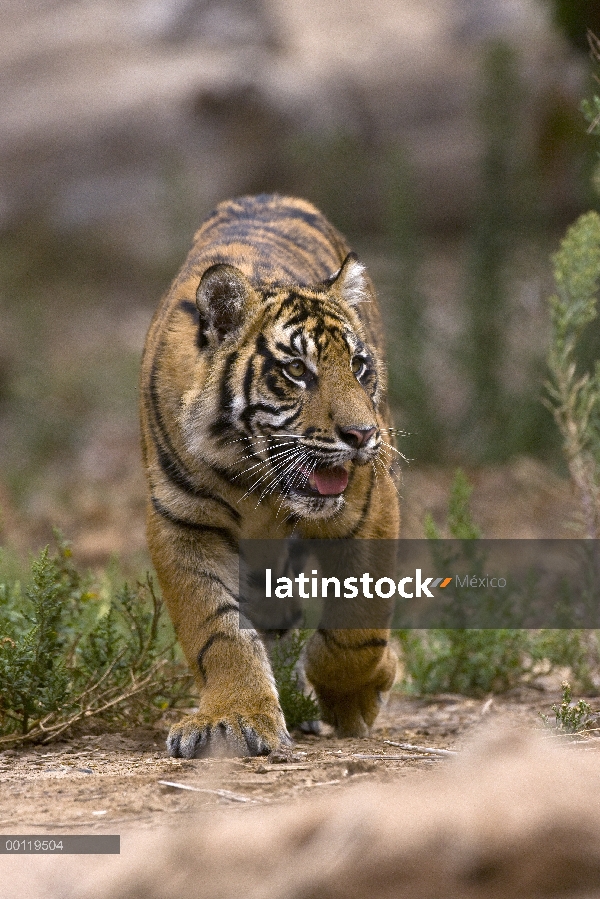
x: 516, y: 815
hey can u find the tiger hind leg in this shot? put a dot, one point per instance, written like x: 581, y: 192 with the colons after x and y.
x: 351, y: 672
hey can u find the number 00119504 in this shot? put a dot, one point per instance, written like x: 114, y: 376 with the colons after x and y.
x: 33, y: 845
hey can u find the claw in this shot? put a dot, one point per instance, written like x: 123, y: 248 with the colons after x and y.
x: 197, y: 738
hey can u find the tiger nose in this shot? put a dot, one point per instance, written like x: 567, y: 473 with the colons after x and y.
x: 357, y: 437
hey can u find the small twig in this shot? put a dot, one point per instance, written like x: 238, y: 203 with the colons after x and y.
x: 324, y: 783
x: 487, y: 706
x: 225, y: 794
x: 90, y: 711
x: 387, y: 758
x: 427, y: 750
x: 575, y: 733
x: 45, y: 732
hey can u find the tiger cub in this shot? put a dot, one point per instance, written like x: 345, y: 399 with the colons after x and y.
x: 263, y: 413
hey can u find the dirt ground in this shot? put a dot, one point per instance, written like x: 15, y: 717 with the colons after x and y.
x: 105, y: 782
x: 108, y: 782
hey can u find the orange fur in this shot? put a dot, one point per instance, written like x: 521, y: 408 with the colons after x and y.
x: 262, y: 373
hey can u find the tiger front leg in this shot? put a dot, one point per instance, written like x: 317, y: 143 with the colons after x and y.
x: 239, y: 712
x: 351, y: 672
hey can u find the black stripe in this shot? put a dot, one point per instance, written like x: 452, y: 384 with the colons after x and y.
x: 319, y: 329
x: 174, y: 474
x: 170, y: 462
x: 269, y: 230
x: 223, y: 533
x: 176, y: 477
x: 288, y: 421
x: 320, y: 439
x: 169, y: 459
x: 224, y: 473
x: 250, y: 411
x: 270, y: 369
x: 226, y: 397
x: 259, y: 232
x: 284, y: 348
x: 267, y: 209
x: 365, y: 510
x: 292, y: 302
x: 261, y: 348
x: 272, y: 378
x: 223, y: 424
x: 248, y: 378
x: 258, y: 253
x: 374, y: 642
x: 267, y: 407
x: 191, y: 309
x: 206, y: 647
x: 211, y: 576
x: 201, y: 324
x: 274, y: 208
x: 221, y: 429
x: 299, y: 318
x: 334, y: 333
x: 222, y: 610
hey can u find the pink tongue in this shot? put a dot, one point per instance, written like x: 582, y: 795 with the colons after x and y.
x: 329, y: 481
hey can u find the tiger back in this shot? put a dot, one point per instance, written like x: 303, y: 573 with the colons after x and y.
x: 263, y: 413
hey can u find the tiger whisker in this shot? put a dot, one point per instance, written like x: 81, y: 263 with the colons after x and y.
x: 259, y: 463
x: 396, y: 432
x: 272, y: 485
x: 305, y: 477
x: 271, y: 468
x: 300, y: 455
x: 384, y: 443
x: 384, y: 469
x: 295, y: 453
x: 374, y: 467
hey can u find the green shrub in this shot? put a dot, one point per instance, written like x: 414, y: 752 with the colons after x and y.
x: 570, y: 719
x: 75, y: 648
x: 474, y: 661
x: 458, y: 660
x: 297, y: 707
x: 575, y: 394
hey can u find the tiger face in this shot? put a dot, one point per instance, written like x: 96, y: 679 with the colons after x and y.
x: 290, y: 392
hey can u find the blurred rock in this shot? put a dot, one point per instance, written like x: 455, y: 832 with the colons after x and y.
x: 513, y: 816
x: 135, y: 116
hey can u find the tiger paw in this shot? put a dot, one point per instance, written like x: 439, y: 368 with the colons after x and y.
x: 199, y: 736
x: 352, y: 714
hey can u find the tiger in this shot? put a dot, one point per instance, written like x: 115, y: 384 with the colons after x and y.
x: 264, y: 415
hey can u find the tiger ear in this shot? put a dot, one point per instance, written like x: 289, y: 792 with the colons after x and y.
x: 221, y: 298
x: 352, y: 281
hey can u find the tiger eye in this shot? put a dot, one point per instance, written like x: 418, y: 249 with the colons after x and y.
x: 296, y: 368
x: 357, y: 364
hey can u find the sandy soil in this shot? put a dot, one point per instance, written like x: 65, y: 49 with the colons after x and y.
x: 108, y: 782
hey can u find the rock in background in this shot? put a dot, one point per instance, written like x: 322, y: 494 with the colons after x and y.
x: 134, y: 117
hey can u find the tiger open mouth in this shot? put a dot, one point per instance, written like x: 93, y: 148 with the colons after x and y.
x: 321, y: 482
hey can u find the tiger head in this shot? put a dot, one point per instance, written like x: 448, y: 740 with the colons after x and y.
x: 291, y: 387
